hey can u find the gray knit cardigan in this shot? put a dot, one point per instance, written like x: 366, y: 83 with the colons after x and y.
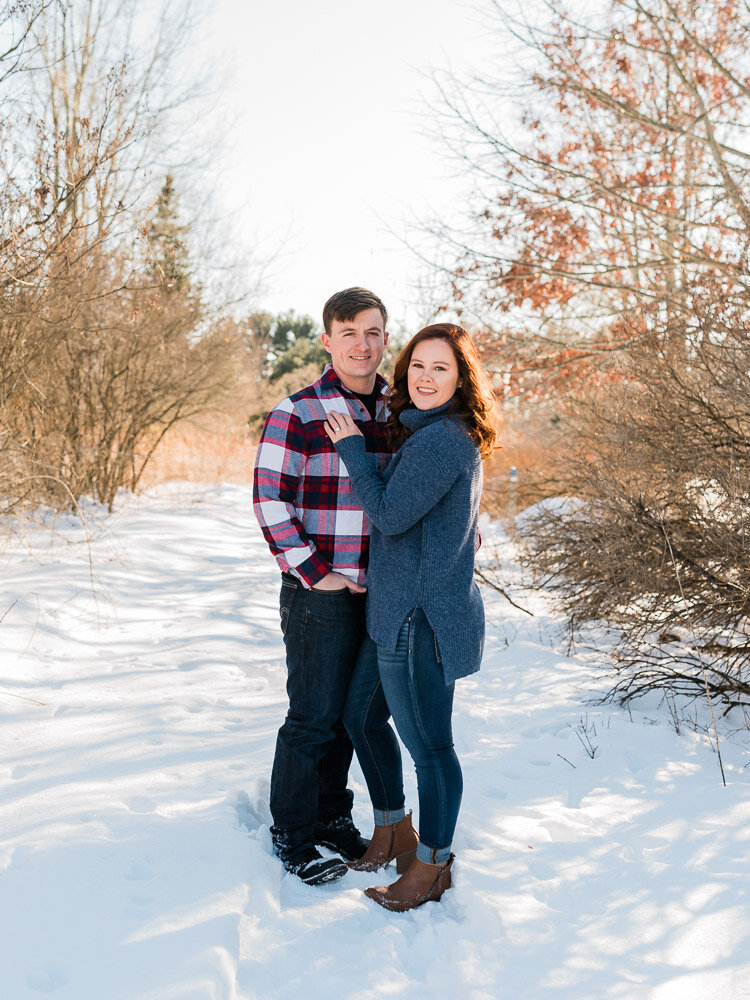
x: 423, y: 512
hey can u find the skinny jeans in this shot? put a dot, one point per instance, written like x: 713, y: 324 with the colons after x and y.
x: 409, y: 685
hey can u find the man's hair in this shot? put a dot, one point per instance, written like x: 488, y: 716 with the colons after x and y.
x: 344, y: 306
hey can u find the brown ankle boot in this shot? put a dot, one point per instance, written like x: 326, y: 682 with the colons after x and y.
x: 420, y: 884
x: 395, y: 842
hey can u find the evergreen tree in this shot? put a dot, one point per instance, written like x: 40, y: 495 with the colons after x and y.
x: 285, y: 342
x: 167, y: 241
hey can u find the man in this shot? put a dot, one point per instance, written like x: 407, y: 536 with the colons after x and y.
x: 319, y: 535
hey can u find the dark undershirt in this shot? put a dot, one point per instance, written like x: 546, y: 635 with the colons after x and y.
x: 370, y: 400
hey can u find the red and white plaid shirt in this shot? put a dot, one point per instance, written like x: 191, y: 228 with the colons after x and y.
x: 302, y: 496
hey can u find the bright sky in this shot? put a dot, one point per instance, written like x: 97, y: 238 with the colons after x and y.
x: 330, y: 149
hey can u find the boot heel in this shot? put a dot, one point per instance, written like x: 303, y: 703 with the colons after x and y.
x: 404, y: 860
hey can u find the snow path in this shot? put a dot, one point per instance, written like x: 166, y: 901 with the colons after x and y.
x: 141, y: 687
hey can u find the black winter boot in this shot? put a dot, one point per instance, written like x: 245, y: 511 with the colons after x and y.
x: 304, y: 861
x: 341, y: 836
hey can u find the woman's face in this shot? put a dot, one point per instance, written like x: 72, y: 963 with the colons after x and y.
x: 433, y: 374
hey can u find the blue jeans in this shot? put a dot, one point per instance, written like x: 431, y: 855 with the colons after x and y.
x: 408, y: 684
x: 323, y: 631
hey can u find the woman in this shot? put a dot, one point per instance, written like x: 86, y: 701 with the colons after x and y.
x: 424, y: 611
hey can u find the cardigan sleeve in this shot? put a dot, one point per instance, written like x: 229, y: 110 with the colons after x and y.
x: 428, y: 464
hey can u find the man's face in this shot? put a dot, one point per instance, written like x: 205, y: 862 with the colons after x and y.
x: 356, y: 347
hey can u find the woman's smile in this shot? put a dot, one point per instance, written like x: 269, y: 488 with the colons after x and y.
x: 433, y: 374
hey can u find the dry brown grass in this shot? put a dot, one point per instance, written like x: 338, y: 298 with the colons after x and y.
x: 216, y: 449
x: 534, y: 446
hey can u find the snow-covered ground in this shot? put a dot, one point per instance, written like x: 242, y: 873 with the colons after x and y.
x: 141, y: 687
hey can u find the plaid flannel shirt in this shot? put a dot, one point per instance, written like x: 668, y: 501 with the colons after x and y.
x: 302, y: 496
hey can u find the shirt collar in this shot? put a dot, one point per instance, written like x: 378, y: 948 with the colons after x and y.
x: 330, y: 381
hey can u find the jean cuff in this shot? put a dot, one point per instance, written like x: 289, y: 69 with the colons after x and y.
x: 433, y: 855
x: 387, y: 817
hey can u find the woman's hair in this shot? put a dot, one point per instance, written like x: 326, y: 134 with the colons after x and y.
x: 474, y: 399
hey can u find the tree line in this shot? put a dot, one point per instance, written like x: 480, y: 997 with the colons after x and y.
x: 109, y: 333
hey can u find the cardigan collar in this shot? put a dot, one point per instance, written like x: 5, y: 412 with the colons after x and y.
x: 414, y: 419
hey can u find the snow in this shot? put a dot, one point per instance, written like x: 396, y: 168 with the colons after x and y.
x: 141, y: 687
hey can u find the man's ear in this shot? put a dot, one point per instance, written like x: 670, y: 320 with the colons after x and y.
x: 386, y: 335
x: 325, y: 340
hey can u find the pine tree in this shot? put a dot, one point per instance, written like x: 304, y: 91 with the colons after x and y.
x: 167, y: 241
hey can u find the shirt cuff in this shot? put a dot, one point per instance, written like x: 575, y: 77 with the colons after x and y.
x: 312, y: 570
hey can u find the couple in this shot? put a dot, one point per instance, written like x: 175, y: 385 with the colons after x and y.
x: 348, y: 470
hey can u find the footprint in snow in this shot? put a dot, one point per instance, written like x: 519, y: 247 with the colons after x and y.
x: 47, y: 980
x: 140, y: 870
x: 20, y: 771
x: 142, y: 899
x: 140, y: 805
x: 255, y: 813
x: 635, y: 763
x: 496, y: 793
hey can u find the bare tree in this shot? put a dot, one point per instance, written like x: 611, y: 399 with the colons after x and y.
x: 611, y: 259
x: 102, y: 349
x: 622, y: 186
x: 657, y: 542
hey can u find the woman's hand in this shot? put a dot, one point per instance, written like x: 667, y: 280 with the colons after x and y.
x: 339, y: 426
